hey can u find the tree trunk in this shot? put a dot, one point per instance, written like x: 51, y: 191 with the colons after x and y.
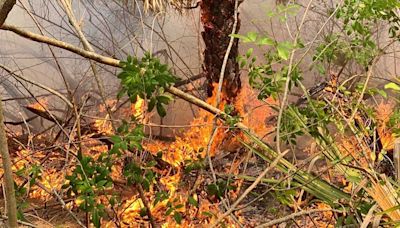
x: 8, y: 178
x: 218, y: 17
x: 5, y: 8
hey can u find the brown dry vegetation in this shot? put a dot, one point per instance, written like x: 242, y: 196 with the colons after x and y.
x: 267, y: 146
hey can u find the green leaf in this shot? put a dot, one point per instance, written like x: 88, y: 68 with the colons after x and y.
x: 116, y: 139
x: 193, y: 202
x: 151, y: 104
x: 283, y: 50
x: 178, y: 217
x: 252, y: 36
x: 265, y: 41
x: 392, y: 86
x: 161, y: 110
x: 382, y: 93
x: 249, y: 52
x: 101, y: 183
x: 96, y: 218
x: 240, y: 37
x: 169, y: 211
x: 164, y: 99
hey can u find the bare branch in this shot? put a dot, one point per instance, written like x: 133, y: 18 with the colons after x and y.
x: 50, y: 90
x: 61, y: 44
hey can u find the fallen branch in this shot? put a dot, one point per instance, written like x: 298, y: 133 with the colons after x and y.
x: 20, y: 222
x: 44, y: 114
x: 20, y: 122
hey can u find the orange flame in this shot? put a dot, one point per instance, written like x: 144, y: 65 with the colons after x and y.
x: 40, y: 105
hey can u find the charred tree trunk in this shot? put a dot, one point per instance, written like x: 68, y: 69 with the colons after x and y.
x: 217, y: 17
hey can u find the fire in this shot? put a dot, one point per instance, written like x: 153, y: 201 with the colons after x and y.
x: 137, y: 108
x: 41, y: 104
x: 194, y: 142
x: 171, y: 182
x: 190, y: 146
x: 383, y: 113
x: 104, y: 126
x: 255, y: 112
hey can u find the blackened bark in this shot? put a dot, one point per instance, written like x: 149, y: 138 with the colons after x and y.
x: 218, y: 17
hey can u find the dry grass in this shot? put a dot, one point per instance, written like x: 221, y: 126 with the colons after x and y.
x: 161, y: 5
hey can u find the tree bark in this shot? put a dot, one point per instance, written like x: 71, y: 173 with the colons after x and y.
x: 5, y: 8
x: 218, y: 18
x: 8, y: 178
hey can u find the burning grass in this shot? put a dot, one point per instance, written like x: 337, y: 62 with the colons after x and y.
x: 180, y: 173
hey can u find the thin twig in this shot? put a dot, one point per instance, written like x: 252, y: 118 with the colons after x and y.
x: 146, y: 205
x: 288, y: 80
x: 48, y: 89
x: 251, y: 187
x: 3, y: 217
x: 88, y: 47
x: 294, y: 215
x: 227, y: 53
x: 65, y: 207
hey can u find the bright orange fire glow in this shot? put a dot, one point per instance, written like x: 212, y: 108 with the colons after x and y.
x: 137, y: 108
x: 194, y: 142
x: 383, y: 113
x: 191, y: 145
x: 104, y: 126
x: 40, y: 105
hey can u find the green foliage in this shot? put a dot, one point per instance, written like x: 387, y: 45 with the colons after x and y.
x: 231, y: 118
x: 282, y: 11
x: 393, y: 86
x: 34, y: 173
x: 218, y: 189
x: 140, y: 175
x: 285, y: 197
x: 394, y: 122
x: 161, y: 196
x: 88, y: 177
x: 264, y: 77
x: 93, y: 175
x: 173, y: 206
x: 146, y: 78
x: 197, y: 164
x: 192, y: 201
x: 359, y: 16
x: 353, y: 40
x: 128, y: 138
